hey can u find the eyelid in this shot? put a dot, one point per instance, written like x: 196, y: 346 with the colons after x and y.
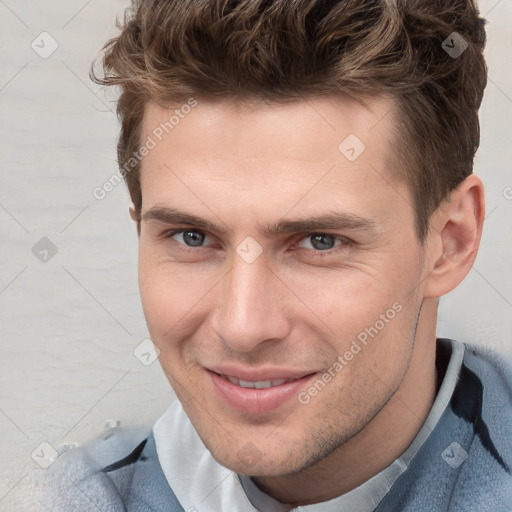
x: 170, y: 234
x: 344, y: 241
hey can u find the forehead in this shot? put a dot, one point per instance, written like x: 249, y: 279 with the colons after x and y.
x: 332, y: 149
x: 296, y: 129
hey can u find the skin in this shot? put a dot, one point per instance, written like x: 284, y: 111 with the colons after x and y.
x: 242, y: 167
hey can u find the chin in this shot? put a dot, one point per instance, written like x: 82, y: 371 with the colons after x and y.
x: 261, y: 459
x: 263, y: 468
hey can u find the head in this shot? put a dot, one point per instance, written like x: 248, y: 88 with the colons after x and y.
x: 301, y: 179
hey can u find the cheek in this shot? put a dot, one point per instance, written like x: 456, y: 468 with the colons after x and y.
x: 367, y: 315
x: 166, y: 294
x: 343, y: 301
x: 175, y: 298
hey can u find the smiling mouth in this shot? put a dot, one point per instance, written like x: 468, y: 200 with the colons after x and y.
x: 258, y: 397
x: 260, y: 384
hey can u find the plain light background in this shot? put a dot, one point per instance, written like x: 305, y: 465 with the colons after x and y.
x: 70, y: 325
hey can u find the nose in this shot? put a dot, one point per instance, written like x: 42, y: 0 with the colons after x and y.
x: 251, y: 306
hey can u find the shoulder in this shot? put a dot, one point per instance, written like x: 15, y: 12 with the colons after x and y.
x: 77, y: 479
x: 483, y: 398
x: 483, y: 395
x: 485, y: 386
x: 490, y: 365
x: 465, y: 464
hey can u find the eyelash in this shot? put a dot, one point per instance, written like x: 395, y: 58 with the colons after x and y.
x: 345, y: 242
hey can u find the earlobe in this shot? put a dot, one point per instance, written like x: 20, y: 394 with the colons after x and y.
x: 135, y: 218
x: 455, y: 237
x: 133, y: 215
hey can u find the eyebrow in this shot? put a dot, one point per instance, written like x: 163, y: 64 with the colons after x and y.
x: 331, y: 221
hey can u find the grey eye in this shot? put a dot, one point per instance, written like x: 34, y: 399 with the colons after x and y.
x: 191, y: 238
x: 319, y: 241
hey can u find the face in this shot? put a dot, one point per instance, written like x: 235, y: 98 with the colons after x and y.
x: 278, y: 272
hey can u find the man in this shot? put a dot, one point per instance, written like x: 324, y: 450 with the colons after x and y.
x: 302, y: 187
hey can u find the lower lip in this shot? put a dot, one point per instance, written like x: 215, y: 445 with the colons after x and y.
x: 257, y: 401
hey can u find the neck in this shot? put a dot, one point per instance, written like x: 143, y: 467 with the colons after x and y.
x: 385, y: 438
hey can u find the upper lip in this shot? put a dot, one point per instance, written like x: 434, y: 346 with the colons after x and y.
x: 258, y: 374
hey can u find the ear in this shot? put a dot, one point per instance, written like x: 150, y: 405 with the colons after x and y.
x: 133, y: 215
x: 454, y: 237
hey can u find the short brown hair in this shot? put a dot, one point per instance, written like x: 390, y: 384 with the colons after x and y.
x: 284, y: 50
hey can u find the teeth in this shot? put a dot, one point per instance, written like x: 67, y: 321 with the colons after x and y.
x: 260, y: 384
